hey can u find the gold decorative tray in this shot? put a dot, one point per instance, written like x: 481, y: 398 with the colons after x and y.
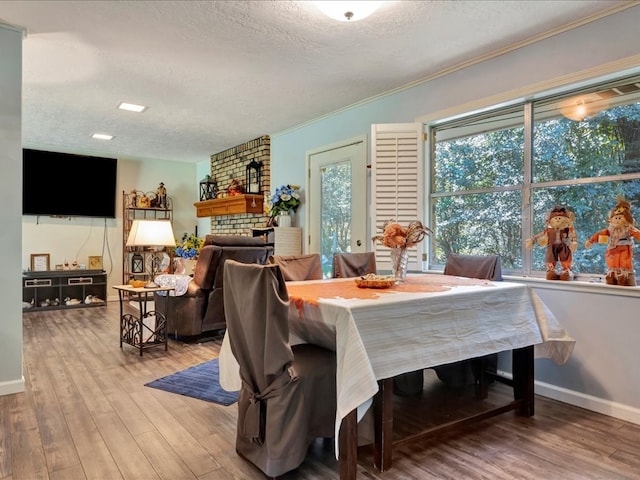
x: 375, y: 281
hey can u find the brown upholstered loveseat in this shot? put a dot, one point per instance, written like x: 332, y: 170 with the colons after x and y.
x: 201, y: 308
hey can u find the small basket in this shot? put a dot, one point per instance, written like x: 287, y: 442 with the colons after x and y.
x: 375, y: 281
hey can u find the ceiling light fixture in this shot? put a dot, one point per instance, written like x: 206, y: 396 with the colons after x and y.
x: 102, y: 136
x: 349, y: 10
x: 132, y: 107
x: 582, y: 107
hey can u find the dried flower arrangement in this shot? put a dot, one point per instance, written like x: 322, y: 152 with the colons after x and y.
x: 395, y: 235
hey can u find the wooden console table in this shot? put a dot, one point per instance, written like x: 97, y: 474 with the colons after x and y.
x: 60, y: 289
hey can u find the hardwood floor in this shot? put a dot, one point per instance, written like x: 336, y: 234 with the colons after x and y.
x: 86, y: 414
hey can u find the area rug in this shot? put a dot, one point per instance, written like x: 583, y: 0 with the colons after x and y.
x: 200, y: 381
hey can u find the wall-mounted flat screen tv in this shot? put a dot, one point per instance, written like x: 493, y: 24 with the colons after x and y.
x: 68, y: 185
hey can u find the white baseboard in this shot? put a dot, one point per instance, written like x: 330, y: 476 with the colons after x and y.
x: 13, y: 386
x: 589, y: 402
x: 586, y: 401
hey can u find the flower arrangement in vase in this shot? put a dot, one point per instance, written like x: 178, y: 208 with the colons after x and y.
x: 285, y: 199
x: 399, y: 239
x: 187, y: 249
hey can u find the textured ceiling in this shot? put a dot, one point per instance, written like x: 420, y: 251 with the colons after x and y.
x: 216, y: 74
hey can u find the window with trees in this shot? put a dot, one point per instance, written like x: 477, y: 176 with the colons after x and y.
x: 495, y: 175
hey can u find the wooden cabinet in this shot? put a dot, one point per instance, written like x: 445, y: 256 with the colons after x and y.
x: 63, y: 289
x: 140, y: 269
x: 233, y: 205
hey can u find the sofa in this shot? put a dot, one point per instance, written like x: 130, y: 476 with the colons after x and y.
x: 201, y: 308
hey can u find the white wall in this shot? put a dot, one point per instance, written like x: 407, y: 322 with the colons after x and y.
x: 11, y: 379
x: 78, y: 238
x: 602, y: 373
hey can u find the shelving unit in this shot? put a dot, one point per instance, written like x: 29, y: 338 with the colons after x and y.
x: 130, y: 212
x: 77, y: 285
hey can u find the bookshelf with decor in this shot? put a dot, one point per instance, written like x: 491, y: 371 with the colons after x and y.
x: 137, y: 261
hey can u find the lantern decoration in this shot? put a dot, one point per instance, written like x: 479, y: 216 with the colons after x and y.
x: 208, y: 188
x: 137, y: 263
x: 254, y: 176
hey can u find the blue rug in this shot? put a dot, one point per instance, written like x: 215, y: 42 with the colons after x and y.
x: 200, y: 381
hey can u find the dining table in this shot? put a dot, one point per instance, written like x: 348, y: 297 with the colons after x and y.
x: 426, y: 321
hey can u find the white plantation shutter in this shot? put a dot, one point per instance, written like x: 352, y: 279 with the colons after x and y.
x: 397, y: 152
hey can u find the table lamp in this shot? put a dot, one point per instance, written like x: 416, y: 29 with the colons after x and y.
x: 152, y: 234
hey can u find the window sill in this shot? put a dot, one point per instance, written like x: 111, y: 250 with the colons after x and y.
x: 594, y: 287
x: 599, y: 287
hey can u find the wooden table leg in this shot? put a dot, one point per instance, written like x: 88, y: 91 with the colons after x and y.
x: 383, y: 425
x: 348, y: 446
x: 523, y: 377
x: 121, y: 315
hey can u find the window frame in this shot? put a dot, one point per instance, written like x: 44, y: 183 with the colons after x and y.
x: 528, y: 186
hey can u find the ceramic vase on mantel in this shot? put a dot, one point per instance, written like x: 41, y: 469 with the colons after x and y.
x: 284, y: 219
x: 399, y: 263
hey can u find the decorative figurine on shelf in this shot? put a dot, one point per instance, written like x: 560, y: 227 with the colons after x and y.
x: 134, y: 199
x: 161, y: 196
x: 561, y: 241
x: 144, y: 201
x: 235, y: 188
x: 619, y: 237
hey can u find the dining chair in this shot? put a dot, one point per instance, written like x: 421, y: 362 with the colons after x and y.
x: 299, y: 267
x: 486, y: 267
x: 464, y: 372
x: 347, y: 265
x: 288, y: 394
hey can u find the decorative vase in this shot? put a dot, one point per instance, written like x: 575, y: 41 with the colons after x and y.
x: 399, y: 262
x: 284, y: 219
x: 179, y: 265
x: 190, y: 266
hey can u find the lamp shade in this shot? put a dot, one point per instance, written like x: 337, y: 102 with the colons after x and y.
x: 151, y: 233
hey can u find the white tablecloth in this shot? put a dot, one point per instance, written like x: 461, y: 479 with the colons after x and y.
x: 432, y: 320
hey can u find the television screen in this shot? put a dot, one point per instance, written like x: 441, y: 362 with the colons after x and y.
x: 63, y: 184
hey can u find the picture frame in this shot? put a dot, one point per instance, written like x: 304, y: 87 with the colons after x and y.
x: 95, y: 262
x: 40, y: 262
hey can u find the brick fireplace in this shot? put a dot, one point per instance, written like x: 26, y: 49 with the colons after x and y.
x: 231, y: 164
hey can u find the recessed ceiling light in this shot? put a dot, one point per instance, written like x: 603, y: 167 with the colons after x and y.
x: 132, y: 107
x: 102, y: 136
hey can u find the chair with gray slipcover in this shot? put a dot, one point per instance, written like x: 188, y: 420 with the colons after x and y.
x: 346, y: 265
x: 288, y: 394
x: 464, y: 372
x: 299, y: 267
x: 486, y: 267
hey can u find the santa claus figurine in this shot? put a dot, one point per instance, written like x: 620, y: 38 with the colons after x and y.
x: 619, y: 237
